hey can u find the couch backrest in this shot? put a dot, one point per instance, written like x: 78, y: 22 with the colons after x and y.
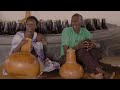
x: 108, y: 39
x: 52, y: 49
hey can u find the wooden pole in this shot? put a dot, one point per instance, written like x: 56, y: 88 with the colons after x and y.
x: 27, y: 14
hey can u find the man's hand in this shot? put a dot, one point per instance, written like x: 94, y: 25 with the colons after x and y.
x: 81, y: 44
x: 92, y: 44
x: 84, y: 44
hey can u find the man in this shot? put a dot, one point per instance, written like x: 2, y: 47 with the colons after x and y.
x: 81, y: 40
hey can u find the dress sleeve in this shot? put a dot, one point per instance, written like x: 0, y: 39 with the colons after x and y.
x: 16, y: 40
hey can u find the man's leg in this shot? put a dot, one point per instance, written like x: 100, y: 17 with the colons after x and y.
x: 92, y: 63
x: 96, y: 53
x: 83, y: 56
x: 87, y: 59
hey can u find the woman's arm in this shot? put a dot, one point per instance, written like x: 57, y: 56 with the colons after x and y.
x: 17, y: 42
x: 40, y: 38
x: 18, y: 48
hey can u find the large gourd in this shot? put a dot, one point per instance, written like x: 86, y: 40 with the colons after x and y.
x: 71, y: 69
x: 22, y: 64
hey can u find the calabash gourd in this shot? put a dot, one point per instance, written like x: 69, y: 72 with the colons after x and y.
x: 22, y: 64
x: 71, y: 69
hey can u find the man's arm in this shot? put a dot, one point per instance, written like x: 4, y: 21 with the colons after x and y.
x: 91, y: 41
x: 93, y: 44
x: 81, y: 44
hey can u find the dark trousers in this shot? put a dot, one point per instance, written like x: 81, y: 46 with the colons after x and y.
x: 88, y: 59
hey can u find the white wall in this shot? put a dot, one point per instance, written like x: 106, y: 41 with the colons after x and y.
x: 111, y: 16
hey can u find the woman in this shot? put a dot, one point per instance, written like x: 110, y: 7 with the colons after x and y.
x: 37, y: 44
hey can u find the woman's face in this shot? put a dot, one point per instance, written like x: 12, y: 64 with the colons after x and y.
x: 31, y: 25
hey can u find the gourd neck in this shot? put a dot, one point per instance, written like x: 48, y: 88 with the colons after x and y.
x: 27, y: 47
x: 70, y: 56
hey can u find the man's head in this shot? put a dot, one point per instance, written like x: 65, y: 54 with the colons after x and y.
x: 31, y: 23
x: 76, y: 21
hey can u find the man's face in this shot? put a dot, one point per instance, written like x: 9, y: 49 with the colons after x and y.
x: 31, y: 25
x: 76, y: 22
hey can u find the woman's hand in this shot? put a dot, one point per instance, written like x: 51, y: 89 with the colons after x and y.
x: 29, y: 34
x: 24, y: 41
x: 18, y: 48
x: 40, y: 38
x: 44, y: 42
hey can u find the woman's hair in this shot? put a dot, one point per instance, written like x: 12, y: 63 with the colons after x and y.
x: 32, y: 18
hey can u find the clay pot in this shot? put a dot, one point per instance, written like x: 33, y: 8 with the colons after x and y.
x: 71, y: 69
x: 22, y: 64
